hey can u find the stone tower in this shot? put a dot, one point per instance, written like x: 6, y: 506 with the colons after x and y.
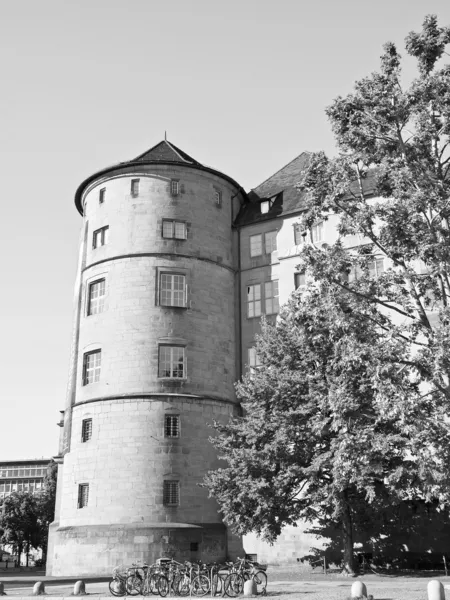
x: 154, y: 359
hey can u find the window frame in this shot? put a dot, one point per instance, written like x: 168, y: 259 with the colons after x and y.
x: 170, y: 485
x: 174, y: 187
x: 135, y: 187
x: 254, y: 301
x: 297, y: 276
x: 259, y: 245
x: 172, y: 274
x: 218, y: 198
x: 95, y: 368
x: 169, y: 426
x: 273, y: 299
x: 172, y: 361
x: 317, y: 228
x: 174, y: 223
x: 272, y: 235
x: 100, y: 299
x: 101, y: 234
x: 83, y: 495
x: 253, y: 359
x: 86, y: 430
x: 299, y: 235
x: 101, y: 195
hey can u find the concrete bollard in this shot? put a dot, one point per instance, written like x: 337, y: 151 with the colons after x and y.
x: 79, y: 589
x: 435, y: 590
x: 38, y: 589
x: 358, y: 590
x: 250, y: 588
x: 2, y: 589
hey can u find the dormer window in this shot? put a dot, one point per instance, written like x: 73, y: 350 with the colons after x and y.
x: 265, y: 207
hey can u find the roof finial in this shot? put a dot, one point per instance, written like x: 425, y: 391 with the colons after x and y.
x: 165, y: 136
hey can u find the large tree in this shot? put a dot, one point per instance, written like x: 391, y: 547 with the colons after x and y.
x: 19, y: 520
x: 332, y: 423
x: 390, y: 187
x: 348, y: 411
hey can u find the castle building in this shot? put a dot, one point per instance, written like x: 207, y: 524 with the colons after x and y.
x: 176, y: 266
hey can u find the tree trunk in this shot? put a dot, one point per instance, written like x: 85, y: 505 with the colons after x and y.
x: 347, y: 531
x: 28, y: 553
x: 19, y: 553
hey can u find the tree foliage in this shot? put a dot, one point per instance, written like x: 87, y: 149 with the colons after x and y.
x: 25, y: 517
x: 332, y: 422
x: 348, y: 413
x: 390, y: 187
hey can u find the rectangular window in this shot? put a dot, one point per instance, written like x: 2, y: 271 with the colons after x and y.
x: 171, y: 496
x: 174, y: 187
x: 299, y: 234
x: 174, y: 229
x: 299, y: 280
x: 271, y: 297
x: 253, y: 358
x: 376, y: 267
x: 171, y: 362
x: 134, y: 188
x: 83, y: 495
x: 218, y: 197
x: 101, y: 195
x: 254, y: 300
x: 100, y: 237
x: 172, y: 289
x: 270, y: 241
x: 172, y: 426
x: 317, y: 232
x: 91, y: 367
x: 96, y: 300
x: 86, y: 430
x: 256, y: 245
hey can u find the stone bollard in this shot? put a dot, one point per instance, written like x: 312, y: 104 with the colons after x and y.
x: 79, y: 589
x: 250, y: 588
x: 435, y: 590
x: 2, y: 589
x: 358, y: 590
x: 38, y: 589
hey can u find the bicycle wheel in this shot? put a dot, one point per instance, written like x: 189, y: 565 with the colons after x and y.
x: 260, y: 578
x: 134, y: 585
x: 234, y: 585
x: 200, y: 585
x: 217, y: 585
x: 117, y: 587
x: 151, y: 585
x: 182, y: 586
x: 162, y: 584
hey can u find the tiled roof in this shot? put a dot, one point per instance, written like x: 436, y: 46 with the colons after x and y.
x: 281, y: 187
x: 165, y: 152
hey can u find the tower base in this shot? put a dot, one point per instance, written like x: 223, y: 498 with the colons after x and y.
x: 97, y: 549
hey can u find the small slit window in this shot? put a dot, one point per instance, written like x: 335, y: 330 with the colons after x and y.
x: 174, y: 187
x: 172, y: 426
x: 135, y: 187
x: 171, y: 496
x: 83, y: 495
x: 86, y: 430
x: 102, y: 195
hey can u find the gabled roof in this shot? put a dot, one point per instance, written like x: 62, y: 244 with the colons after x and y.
x: 281, y: 188
x: 165, y: 152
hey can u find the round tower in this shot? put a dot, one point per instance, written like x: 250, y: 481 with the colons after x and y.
x: 154, y: 361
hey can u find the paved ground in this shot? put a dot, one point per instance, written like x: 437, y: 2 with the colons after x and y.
x: 287, y: 583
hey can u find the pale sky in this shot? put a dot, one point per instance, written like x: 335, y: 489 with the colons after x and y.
x: 241, y: 85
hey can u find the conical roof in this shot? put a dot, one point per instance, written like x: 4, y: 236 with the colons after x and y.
x: 162, y: 153
x: 166, y: 152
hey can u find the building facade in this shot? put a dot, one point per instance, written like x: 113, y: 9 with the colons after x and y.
x: 23, y: 475
x: 177, y: 265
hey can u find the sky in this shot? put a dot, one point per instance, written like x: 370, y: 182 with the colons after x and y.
x: 240, y: 85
